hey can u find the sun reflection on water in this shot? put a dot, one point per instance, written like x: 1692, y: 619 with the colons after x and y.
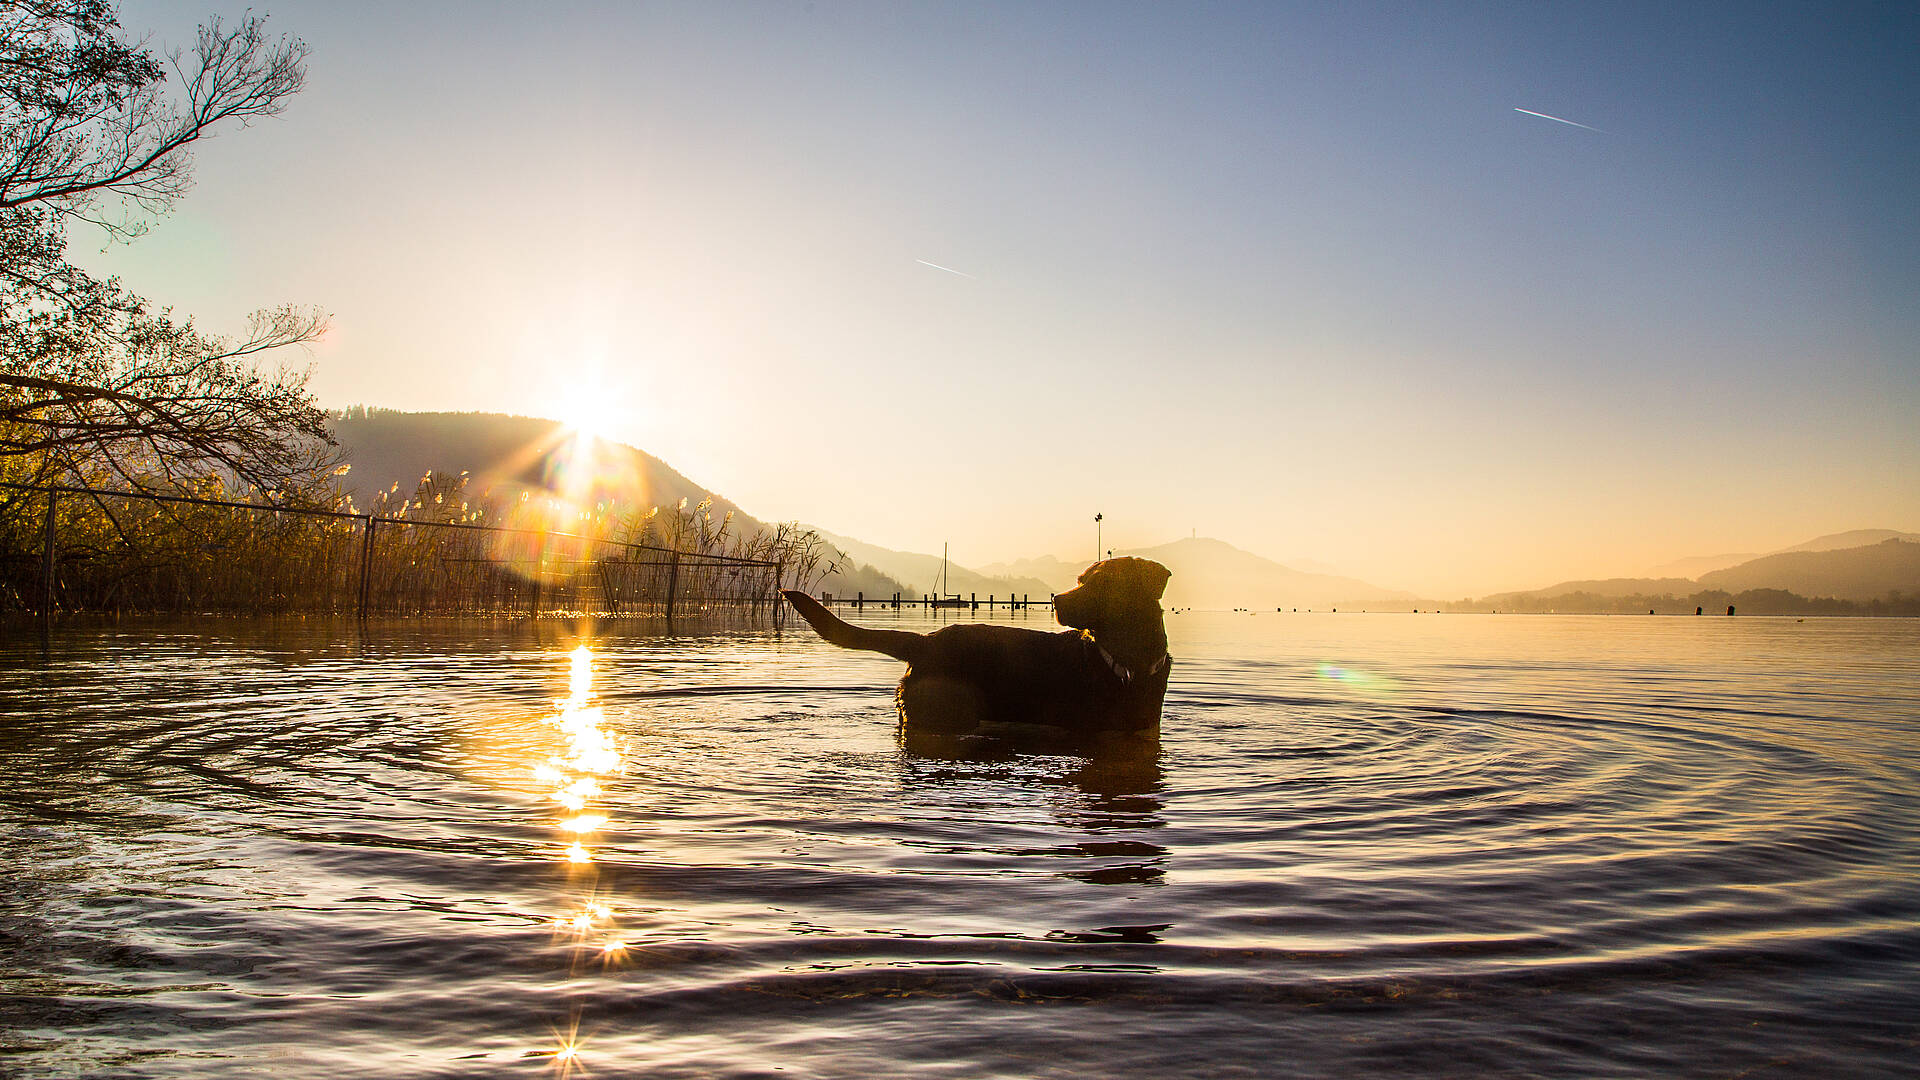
x: 574, y: 777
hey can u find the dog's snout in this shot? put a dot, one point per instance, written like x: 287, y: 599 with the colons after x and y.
x: 1071, y: 608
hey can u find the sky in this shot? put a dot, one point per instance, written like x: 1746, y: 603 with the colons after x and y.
x: 1303, y: 278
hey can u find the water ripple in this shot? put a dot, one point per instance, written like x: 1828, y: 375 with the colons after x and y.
x: 1366, y: 845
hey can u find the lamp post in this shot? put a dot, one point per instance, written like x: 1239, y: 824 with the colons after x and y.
x: 1097, y: 546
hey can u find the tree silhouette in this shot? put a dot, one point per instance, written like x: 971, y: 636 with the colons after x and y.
x: 96, y: 385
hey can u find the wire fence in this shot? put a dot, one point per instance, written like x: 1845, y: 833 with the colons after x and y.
x: 86, y: 550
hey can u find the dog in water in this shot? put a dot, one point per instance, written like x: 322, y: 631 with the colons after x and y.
x: 1104, y: 679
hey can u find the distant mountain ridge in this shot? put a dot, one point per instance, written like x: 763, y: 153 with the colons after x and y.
x: 1693, y: 566
x: 921, y: 573
x: 1853, y: 539
x: 1209, y: 573
x: 509, y: 454
x: 1867, y: 572
x: 1814, y: 570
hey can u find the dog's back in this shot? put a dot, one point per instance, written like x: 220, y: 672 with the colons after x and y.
x: 975, y: 675
x: 1108, y: 677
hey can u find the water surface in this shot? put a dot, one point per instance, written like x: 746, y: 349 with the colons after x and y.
x: 1368, y: 845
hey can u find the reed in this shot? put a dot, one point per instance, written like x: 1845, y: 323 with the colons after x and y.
x: 209, y: 547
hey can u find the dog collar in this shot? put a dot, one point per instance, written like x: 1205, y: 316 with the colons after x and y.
x: 1125, y: 674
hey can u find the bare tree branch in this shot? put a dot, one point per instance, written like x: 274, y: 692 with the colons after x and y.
x: 93, y: 381
x: 84, y: 114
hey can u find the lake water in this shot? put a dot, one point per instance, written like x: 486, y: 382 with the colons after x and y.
x: 1369, y: 845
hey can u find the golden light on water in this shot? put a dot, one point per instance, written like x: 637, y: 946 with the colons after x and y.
x: 566, y: 1055
x: 590, y: 752
x: 580, y: 679
x: 583, y: 758
x: 574, y: 776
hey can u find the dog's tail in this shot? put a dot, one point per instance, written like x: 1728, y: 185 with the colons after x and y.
x: 898, y: 644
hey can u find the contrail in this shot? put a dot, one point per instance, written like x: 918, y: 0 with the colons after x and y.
x: 948, y: 269
x: 1555, y: 119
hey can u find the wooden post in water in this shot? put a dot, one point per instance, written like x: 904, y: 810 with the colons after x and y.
x: 366, y: 567
x: 673, y: 583
x: 46, y: 566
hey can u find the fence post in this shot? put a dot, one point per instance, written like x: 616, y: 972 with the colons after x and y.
x: 46, y: 565
x: 779, y: 608
x: 366, y: 567
x: 673, y: 582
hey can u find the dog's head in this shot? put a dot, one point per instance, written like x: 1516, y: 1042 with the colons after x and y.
x: 1110, y: 591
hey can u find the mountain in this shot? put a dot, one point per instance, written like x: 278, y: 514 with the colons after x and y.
x: 507, y: 455
x: 1866, y: 572
x: 1854, y: 539
x: 1058, y: 574
x: 1818, y: 581
x: 1693, y: 566
x: 1608, y: 587
x: 922, y: 572
x: 1211, y: 573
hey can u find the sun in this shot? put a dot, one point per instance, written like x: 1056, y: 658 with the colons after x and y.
x: 587, y: 410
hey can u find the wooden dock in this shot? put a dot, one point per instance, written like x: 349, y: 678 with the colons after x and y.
x: 970, y: 602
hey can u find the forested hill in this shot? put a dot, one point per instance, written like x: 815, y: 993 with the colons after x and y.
x: 506, y: 455
x: 1861, y: 573
x: 1876, y: 578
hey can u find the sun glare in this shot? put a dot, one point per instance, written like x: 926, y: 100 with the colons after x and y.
x: 588, y: 412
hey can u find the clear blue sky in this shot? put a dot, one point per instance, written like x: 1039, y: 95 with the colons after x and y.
x: 1298, y: 277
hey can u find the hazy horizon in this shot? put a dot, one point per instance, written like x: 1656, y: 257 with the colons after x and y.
x: 1332, y: 285
x: 618, y: 480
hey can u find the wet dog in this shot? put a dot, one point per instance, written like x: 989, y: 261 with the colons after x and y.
x: 1104, y: 679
